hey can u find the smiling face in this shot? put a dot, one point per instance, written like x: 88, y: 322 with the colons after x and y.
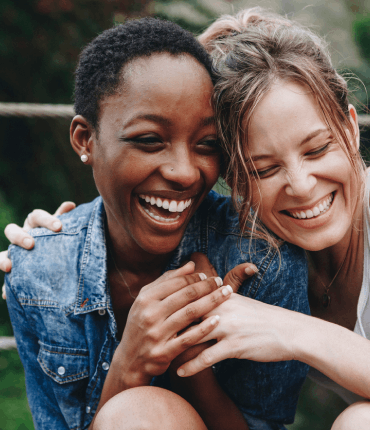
x: 307, y: 189
x: 155, y: 157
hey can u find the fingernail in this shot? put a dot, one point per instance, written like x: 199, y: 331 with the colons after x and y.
x: 251, y: 270
x: 181, y: 372
x: 202, y: 276
x: 27, y: 242
x: 57, y: 225
x: 215, y: 319
x: 227, y: 290
x: 218, y: 281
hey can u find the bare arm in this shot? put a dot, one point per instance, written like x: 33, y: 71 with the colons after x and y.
x: 206, y: 396
x: 257, y: 331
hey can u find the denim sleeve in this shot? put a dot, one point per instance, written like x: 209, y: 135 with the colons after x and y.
x: 44, y: 407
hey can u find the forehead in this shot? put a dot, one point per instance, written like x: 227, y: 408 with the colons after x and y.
x: 288, y: 112
x: 162, y: 84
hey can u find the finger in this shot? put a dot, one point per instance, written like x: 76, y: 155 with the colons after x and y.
x: 165, y: 289
x: 64, y: 208
x: 194, y: 336
x: 205, y: 359
x: 202, y: 264
x: 3, y: 292
x: 156, y: 288
x: 191, y: 293
x: 191, y: 312
x: 239, y: 274
x: 18, y: 236
x: 5, y: 263
x: 41, y: 218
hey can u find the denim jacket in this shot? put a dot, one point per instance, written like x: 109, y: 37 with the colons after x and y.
x: 60, y: 306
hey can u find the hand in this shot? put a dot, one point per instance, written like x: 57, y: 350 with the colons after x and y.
x: 248, y: 329
x: 18, y: 235
x: 163, y: 309
x: 234, y: 278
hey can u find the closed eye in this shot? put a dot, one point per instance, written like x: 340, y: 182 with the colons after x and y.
x: 319, y: 151
x: 265, y: 173
x: 145, y: 140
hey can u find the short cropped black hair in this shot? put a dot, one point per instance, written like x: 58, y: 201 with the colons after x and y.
x: 99, y: 70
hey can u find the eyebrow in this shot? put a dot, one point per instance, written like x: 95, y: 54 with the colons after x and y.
x: 313, y: 135
x: 305, y: 140
x: 165, y: 121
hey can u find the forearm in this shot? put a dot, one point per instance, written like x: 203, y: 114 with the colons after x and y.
x: 335, y: 351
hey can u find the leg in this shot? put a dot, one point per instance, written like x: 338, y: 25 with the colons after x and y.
x: 148, y: 408
x: 355, y: 417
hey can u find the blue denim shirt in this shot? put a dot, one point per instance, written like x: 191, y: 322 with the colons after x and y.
x: 60, y: 306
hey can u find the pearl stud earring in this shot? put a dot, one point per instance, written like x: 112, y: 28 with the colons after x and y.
x: 84, y: 158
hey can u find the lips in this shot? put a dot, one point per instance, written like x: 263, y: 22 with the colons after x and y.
x: 163, y: 210
x: 320, y: 208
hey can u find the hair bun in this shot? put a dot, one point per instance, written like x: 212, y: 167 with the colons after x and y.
x: 228, y: 25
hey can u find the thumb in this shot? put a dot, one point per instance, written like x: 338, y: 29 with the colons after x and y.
x: 239, y: 274
x: 202, y: 264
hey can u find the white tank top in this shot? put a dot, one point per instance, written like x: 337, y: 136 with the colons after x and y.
x: 362, y: 326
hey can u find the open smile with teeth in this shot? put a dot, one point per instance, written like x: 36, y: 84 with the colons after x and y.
x: 163, y: 209
x: 316, y: 211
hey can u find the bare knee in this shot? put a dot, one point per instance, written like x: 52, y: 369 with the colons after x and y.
x: 355, y: 417
x: 148, y: 408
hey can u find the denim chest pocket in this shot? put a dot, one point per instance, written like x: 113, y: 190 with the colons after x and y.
x: 68, y: 370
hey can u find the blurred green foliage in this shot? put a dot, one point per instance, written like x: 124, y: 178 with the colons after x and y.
x: 39, y: 45
x: 14, y: 410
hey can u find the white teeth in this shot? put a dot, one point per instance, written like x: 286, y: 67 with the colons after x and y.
x: 316, y: 211
x: 309, y: 214
x: 171, y: 206
x: 160, y: 218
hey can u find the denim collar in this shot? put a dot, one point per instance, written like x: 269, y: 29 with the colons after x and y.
x: 92, y: 292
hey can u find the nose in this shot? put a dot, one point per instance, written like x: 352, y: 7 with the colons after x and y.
x: 301, y: 182
x: 181, y: 168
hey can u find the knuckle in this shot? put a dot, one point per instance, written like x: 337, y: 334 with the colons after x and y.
x: 147, y: 318
x: 216, y: 298
x: 191, y: 292
x: 190, y: 312
x: 235, y: 278
x: 186, y: 341
x: 192, y: 278
x: 153, y: 336
x: 206, y: 358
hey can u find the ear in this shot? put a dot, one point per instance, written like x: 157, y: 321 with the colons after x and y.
x: 82, y: 136
x: 354, y: 122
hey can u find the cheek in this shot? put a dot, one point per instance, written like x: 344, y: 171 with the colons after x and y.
x: 263, y: 198
x: 211, y: 170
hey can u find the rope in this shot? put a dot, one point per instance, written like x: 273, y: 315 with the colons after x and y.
x: 66, y: 111
x: 7, y: 343
x: 36, y: 110
x: 364, y: 120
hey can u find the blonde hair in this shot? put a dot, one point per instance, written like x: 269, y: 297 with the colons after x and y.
x: 251, y: 51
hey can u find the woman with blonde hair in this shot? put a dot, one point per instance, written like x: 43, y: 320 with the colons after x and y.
x: 291, y: 142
